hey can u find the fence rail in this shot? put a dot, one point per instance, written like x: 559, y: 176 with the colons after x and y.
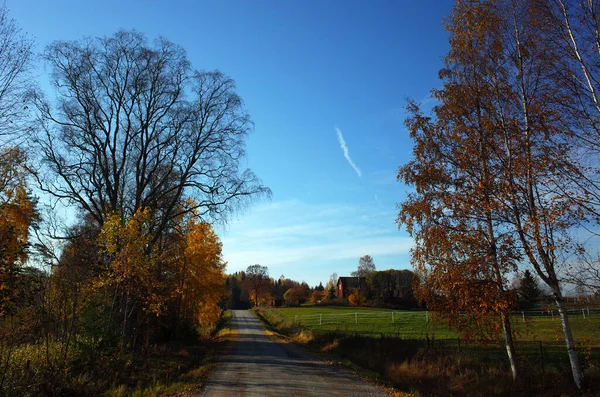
x: 397, y: 317
x: 533, y: 352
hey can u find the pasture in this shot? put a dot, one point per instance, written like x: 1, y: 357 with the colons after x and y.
x: 529, y: 326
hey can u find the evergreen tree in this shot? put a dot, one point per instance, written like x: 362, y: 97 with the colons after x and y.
x: 529, y: 290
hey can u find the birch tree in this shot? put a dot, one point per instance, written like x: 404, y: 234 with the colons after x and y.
x: 493, y: 161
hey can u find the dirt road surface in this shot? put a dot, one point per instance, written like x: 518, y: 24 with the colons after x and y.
x: 260, y: 366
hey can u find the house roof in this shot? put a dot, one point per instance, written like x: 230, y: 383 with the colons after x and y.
x: 352, y: 282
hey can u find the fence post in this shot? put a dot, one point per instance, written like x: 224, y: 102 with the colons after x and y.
x: 320, y: 318
x: 583, y: 312
x: 552, y: 311
x: 588, y: 311
x: 392, y: 317
x: 355, y: 318
x: 542, y: 356
x: 523, y: 316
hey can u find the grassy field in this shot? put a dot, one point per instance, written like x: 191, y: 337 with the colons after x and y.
x: 418, y: 325
x: 422, y: 358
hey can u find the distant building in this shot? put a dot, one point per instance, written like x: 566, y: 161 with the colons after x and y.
x: 347, y: 285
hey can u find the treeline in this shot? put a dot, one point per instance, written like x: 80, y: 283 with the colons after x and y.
x: 505, y: 168
x: 254, y: 287
x: 144, y: 153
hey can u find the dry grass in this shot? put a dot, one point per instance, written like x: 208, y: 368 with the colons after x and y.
x: 329, y: 347
x: 303, y: 337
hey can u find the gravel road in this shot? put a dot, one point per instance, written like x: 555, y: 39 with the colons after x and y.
x: 257, y: 365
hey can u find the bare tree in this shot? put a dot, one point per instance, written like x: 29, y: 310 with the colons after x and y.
x: 257, y: 281
x: 333, y: 279
x: 365, y: 266
x: 15, y: 61
x: 135, y: 127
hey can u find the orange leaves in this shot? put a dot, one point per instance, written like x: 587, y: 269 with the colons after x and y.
x: 462, y: 252
x: 356, y: 298
x: 17, y: 214
x: 201, y: 274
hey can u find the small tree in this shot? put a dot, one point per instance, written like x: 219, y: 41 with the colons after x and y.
x: 318, y: 295
x: 356, y: 298
x: 257, y: 281
x: 529, y: 290
x: 291, y: 297
x: 331, y: 292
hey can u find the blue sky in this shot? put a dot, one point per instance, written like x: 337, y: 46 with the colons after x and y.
x: 316, y: 76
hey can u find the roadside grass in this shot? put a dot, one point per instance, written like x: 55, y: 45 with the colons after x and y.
x: 178, y: 370
x: 430, y: 360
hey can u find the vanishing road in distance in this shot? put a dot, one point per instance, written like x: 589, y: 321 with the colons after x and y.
x: 256, y: 365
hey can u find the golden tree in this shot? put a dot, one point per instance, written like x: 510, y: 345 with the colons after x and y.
x: 131, y: 277
x: 17, y: 214
x: 200, y: 275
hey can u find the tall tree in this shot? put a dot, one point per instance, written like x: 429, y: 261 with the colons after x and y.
x: 134, y: 127
x: 504, y: 144
x: 365, y: 266
x: 15, y: 61
x: 574, y: 31
x: 200, y: 275
x: 539, y: 154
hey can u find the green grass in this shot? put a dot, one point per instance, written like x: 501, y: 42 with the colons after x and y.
x: 547, y: 329
x: 367, y: 321
x: 414, y: 324
x: 366, y: 339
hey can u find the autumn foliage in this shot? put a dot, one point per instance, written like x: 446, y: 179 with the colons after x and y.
x: 502, y: 167
x: 17, y: 214
x: 201, y: 274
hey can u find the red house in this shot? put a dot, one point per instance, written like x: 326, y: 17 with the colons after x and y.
x: 347, y: 285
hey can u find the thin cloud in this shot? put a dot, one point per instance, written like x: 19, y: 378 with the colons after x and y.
x: 346, y: 154
x: 378, y: 202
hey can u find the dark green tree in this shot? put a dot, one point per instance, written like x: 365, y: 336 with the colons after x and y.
x: 331, y: 294
x: 528, y: 291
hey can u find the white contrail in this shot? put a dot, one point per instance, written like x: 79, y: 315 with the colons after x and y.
x: 345, y: 150
x: 378, y: 202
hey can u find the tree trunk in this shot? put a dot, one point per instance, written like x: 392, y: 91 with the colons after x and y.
x: 571, y: 351
x: 510, y: 346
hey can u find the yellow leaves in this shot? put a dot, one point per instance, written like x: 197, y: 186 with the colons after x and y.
x: 183, y: 278
x: 201, y: 272
x: 17, y: 209
x: 133, y: 263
